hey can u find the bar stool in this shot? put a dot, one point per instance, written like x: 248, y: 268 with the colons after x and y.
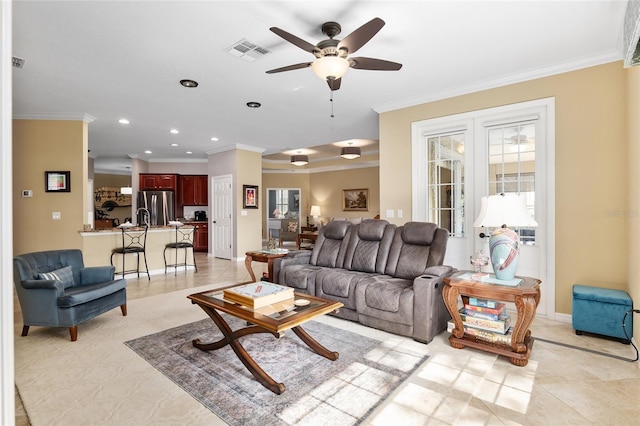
x: 185, y: 236
x: 134, y: 241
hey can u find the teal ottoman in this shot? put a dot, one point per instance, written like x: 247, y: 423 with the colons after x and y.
x: 601, y: 311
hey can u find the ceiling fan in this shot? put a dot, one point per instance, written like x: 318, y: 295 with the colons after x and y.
x: 332, y: 56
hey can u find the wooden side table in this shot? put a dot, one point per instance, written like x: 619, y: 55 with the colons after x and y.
x: 306, y: 235
x: 265, y: 256
x: 525, y: 295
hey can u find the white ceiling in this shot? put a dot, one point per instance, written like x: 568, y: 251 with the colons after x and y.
x: 114, y: 59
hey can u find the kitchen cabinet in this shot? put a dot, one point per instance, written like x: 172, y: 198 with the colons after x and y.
x: 201, y: 242
x: 151, y: 182
x: 193, y: 190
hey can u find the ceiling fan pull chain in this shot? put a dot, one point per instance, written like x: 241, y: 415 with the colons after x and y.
x: 331, y: 100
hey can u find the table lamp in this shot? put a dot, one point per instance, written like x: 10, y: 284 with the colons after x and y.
x: 276, y: 214
x: 500, y: 211
x: 315, y: 212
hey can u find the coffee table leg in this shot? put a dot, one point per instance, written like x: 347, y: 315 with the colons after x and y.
x: 313, y: 344
x: 231, y: 338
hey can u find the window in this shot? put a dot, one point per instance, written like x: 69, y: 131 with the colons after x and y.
x: 512, y: 155
x: 445, y: 186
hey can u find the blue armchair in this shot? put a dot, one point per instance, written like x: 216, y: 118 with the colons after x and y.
x: 56, y: 290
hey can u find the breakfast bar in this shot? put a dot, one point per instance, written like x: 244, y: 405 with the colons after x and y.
x: 97, y: 246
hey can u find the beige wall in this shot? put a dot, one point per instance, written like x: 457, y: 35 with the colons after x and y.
x: 249, y: 228
x: 325, y: 190
x: 591, y: 168
x: 633, y: 126
x: 38, y: 146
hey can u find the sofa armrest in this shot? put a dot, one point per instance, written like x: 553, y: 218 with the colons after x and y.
x: 43, y: 285
x: 301, y: 257
x: 430, y: 315
x: 96, y: 274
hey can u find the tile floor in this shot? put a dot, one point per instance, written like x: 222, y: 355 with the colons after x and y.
x: 560, y: 385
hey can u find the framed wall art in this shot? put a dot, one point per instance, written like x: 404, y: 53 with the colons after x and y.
x: 250, y: 196
x: 355, y: 199
x: 57, y: 181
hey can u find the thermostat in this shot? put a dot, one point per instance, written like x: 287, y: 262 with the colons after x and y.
x: 26, y: 193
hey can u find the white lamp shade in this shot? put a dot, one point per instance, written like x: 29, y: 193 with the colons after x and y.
x: 330, y: 67
x: 504, y: 210
x: 315, y: 211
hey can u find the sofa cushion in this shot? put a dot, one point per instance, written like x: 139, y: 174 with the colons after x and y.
x: 74, y: 296
x: 65, y: 275
x: 419, y: 233
x: 386, y: 298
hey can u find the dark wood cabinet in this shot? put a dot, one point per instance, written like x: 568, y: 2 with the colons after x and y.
x: 194, y: 190
x: 201, y: 240
x: 153, y: 182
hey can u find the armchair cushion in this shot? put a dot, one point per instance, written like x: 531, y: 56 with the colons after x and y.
x: 65, y: 275
x: 292, y: 226
x: 83, y: 294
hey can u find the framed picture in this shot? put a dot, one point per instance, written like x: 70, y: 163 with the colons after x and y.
x: 355, y: 199
x: 57, y: 181
x: 250, y: 198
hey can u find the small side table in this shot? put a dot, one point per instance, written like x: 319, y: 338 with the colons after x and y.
x: 306, y: 235
x: 264, y: 256
x: 526, y: 296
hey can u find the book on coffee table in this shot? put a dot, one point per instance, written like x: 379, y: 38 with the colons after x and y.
x: 259, y: 294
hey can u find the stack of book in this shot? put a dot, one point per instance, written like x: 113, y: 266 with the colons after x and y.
x: 258, y: 295
x: 485, y: 320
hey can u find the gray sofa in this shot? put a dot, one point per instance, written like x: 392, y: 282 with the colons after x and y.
x: 388, y: 277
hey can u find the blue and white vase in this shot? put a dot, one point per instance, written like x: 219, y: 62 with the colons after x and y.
x: 503, y: 248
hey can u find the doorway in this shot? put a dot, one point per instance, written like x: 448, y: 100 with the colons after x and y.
x: 459, y: 159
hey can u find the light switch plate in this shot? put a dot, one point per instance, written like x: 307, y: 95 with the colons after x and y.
x: 27, y: 193
x: 390, y: 214
x: 399, y: 215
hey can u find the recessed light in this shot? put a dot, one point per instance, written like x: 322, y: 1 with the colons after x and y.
x: 254, y: 104
x: 123, y: 121
x: 174, y: 144
x: 189, y: 83
x: 215, y: 139
x: 147, y: 152
x: 174, y: 131
x: 189, y: 152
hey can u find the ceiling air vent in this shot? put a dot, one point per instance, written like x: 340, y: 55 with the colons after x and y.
x: 247, y: 51
x: 17, y: 62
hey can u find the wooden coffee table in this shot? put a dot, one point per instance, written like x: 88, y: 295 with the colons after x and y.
x: 273, y: 319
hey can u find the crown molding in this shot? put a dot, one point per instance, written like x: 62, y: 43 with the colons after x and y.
x: 235, y: 147
x: 56, y: 116
x: 504, y: 81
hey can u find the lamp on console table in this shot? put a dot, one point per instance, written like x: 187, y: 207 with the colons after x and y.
x: 500, y: 211
x: 315, y: 212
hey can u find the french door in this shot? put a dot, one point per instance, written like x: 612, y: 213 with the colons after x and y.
x: 459, y: 159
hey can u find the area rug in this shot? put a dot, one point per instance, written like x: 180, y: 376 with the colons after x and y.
x: 318, y: 391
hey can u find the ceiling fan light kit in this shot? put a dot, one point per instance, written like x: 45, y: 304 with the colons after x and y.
x: 350, y: 152
x: 330, y: 67
x: 299, y: 160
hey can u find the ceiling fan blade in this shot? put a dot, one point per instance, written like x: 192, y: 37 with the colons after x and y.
x: 304, y: 45
x: 362, y: 63
x: 334, y: 84
x: 361, y: 36
x: 290, y: 67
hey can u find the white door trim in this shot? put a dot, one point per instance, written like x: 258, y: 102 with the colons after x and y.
x: 545, y: 165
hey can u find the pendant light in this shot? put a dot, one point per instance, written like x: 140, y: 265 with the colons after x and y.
x: 350, y: 152
x: 299, y: 160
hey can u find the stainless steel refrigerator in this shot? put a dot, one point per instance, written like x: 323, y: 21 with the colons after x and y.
x: 158, y: 204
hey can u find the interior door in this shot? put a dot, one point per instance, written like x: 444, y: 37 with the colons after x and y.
x: 222, y: 218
